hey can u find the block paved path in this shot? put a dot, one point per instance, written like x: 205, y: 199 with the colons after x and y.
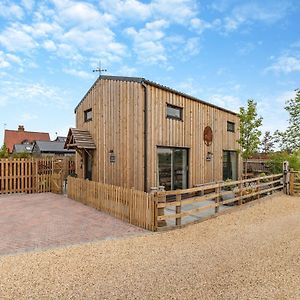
x: 39, y: 221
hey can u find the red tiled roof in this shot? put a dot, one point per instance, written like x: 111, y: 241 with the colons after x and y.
x: 12, y: 137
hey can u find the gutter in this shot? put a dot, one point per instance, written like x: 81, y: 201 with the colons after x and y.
x: 145, y: 136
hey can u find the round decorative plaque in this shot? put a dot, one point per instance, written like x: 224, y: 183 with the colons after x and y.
x: 208, y: 136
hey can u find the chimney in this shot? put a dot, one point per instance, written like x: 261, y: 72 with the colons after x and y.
x: 21, y: 128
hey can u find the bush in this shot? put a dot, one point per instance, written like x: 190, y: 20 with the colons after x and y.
x: 21, y: 155
x: 4, y: 152
x: 276, y: 160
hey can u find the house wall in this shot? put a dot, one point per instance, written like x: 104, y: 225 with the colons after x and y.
x: 118, y: 125
x: 189, y: 133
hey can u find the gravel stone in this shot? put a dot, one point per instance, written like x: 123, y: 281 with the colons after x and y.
x: 251, y: 253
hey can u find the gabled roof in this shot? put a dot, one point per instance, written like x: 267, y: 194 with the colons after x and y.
x: 51, y: 147
x: 12, y: 137
x: 21, y: 148
x: 152, y: 83
x: 60, y: 139
x: 80, y: 139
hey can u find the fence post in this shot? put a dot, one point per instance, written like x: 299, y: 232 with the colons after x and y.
x: 292, y: 180
x: 240, y: 201
x: 217, y: 199
x: 178, y: 210
x: 285, y: 171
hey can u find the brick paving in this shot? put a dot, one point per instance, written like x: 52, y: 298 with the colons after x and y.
x: 40, y: 221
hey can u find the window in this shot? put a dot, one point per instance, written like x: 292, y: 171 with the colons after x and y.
x: 174, y: 112
x: 230, y: 126
x: 88, y: 115
x: 230, y: 165
x: 172, y: 168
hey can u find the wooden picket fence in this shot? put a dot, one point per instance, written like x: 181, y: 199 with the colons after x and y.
x: 29, y: 176
x: 135, y: 207
x: 168, y: 209
x: 294, y: 183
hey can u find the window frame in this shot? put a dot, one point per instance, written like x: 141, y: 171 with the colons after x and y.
x: 179, y: 108
x: 86, y: 112
x: 229, y: 123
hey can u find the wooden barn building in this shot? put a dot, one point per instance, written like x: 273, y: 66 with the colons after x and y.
x: 136, y: 133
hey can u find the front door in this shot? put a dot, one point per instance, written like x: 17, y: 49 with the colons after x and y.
x: 88, y: 166
x: 172, y: 168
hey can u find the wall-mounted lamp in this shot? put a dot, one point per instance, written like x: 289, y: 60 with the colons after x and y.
x: 112, y: 156
x: 209, y: 156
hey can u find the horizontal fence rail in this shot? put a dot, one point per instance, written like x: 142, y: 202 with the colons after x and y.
x: 181, y: 207
x: 135, y: 207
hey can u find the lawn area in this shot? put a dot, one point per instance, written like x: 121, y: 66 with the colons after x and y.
x: 251, y: 253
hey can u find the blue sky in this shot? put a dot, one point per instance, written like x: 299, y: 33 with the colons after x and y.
x: 220, y: 51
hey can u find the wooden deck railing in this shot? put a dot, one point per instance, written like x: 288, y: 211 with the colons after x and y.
x: 135, y: 207
x: 205, y: 201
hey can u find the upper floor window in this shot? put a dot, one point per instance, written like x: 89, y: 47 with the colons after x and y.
x: 174, y: 112
x: 230, y: 126
x: 88, y: 115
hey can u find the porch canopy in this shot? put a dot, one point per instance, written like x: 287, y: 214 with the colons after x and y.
x: 79, y: 139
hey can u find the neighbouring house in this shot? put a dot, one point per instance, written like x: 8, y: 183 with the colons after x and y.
x: 22, y: 148
x: 49, y: 148
x: 61, y: 139
x: 257, y: 164
x: 21, y: 136
x: 133, y: 132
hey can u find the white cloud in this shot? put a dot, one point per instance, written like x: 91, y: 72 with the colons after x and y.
x: 175, y: 11
x: 13, y: 58
x: 127, y: 71
x: 79, y: 73
x: 28, y: 4
x: 285, y: 64
x: 227, y: 101
x: 11, y: 11
x: 4, y: 63
x: 192, y: 47
x: 49, y: 45
x: 200, y: 25
x: 15, y: 40
x: 131, y: 9
x: 252, y: 12
x: 14, y: 91
x: 7, y: 58
x: 148, y: 42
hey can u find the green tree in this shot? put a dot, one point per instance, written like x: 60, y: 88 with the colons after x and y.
x: 249, y: 130
x: 276, y: 160
x: 267, y: 143
x: 4, y: 152
x: 289, y: 140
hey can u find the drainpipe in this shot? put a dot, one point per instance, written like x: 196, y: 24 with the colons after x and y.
x: 145, y: 136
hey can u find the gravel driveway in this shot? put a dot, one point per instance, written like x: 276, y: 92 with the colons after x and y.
x: 251, y: 253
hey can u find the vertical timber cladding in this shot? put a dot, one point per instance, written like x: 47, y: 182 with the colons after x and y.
x: 117, y: 129
x: 189, y: 133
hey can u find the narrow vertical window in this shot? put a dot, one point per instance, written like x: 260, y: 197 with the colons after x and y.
x: 88, y: 115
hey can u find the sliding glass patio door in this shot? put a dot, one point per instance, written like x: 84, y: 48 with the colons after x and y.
x: 172, y: 168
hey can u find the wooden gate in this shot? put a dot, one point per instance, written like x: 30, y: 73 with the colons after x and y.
x: 295, y: 183
x: 56, y: 183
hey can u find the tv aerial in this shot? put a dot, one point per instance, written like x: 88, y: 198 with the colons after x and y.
x: 99, y: 69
